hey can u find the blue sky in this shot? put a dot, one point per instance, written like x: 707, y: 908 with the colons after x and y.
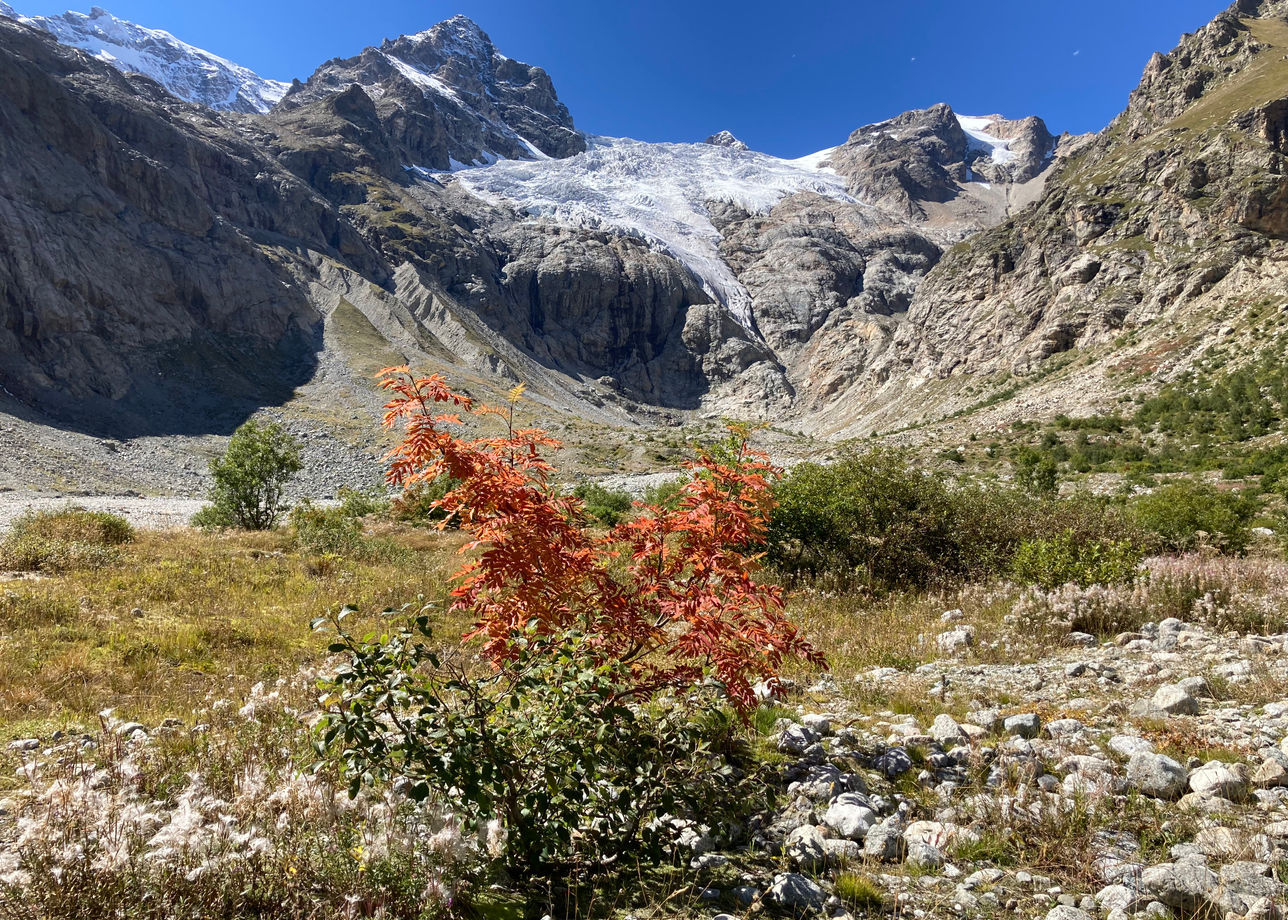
x: 788, y: 78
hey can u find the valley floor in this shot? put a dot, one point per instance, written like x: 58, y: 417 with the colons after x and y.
x: 1082, y: 752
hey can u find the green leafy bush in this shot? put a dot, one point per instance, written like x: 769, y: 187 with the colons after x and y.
x: 1069, y: 559
x: 418, y: 504
x: 1186, y: 514
x: 607, y: 506
x: 64, y: 539
x: 359, y: 503
x: 665, y: 494
x: 338, y: 532
x: 871, y: 515
x: 250, y: 477
x: 549, y: 750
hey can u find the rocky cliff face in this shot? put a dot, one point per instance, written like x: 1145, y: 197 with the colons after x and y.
x: 135, y: 291
x: 1187, y: 187
x: 165, y: 264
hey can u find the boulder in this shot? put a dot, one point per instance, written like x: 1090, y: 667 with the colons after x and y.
x: 1175, y: 701
x: 1157, y: 776
x: 795, y: 892
x: 946, y: 731
x: 850, y: 816
x: 1024, y: 725
x: 804, y: 847
x: 1221, y: 780
x: 1182, y: 886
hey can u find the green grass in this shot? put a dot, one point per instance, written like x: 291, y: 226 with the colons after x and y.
x: 182, y: 615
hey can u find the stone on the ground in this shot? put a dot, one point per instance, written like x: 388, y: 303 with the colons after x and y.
x: 1156, y: 775
x: 804, y: 847
x: 1184, y: 886
x: 946, y: 731
x: 1067, y: 912
x: 1175, y: 701
x: 1127, y: 745
x: 957, y: 639
x: 922, y: 855
x: 796, y: 739
x: 850, y: 816
x: 1221, y: 780
x: 796, y: 891
x: 1270, y: 774
x: 894, y: 762
x: 884, y: 843
x: 818, y: 723
x: 1024, y: 725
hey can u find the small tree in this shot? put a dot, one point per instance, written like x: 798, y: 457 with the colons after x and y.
x: 249, y: 478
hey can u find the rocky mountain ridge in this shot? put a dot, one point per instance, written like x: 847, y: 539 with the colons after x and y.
x: 185, y: 71
x: 431, y: 200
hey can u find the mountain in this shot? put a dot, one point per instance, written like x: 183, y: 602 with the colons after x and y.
x: 191, y: 74
x: 1158, y: 241
x: 446, y: 97
x: 168, y: 267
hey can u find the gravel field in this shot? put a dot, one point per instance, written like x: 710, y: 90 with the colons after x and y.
x: 143, y: 512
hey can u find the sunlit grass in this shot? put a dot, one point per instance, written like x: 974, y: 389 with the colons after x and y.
x: 186, y: 614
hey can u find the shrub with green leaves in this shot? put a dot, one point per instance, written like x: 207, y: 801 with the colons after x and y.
x: 1185, y: 514
x: 360, y: 503
x: 250, y: 478
x: 418, y: 504
x: 576, y: 773
x: 607, y: 506
x: 336, y: 531
x: 873, y: 516
x: 1068, y: 559
x: 63, y: 539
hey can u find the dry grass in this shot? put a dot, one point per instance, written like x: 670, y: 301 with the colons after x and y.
x: 183, y: 615
x: 858, y: 631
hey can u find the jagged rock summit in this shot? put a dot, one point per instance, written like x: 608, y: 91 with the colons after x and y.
x: 448, y: 98
x: 190, y: 73
x: 726, y: 139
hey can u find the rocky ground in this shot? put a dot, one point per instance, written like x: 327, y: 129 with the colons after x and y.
x: 1146, y: 775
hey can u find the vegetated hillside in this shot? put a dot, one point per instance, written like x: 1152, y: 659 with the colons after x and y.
x: 1163, y: 237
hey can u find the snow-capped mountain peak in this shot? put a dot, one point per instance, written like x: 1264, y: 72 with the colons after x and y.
x: 183, y: 70
x: 460, y: 37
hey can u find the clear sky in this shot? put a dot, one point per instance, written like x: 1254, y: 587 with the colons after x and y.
x: 788, y: 78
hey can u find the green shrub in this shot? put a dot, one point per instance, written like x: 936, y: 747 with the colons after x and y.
x: 359, y: 503
x: 417, y: 504
x: 665, y: 494
x: 1185, y: 514
x: 249, y: 478
x: 1050, y: 563
x: 607, y: 506
x: 871, y: 515
x: 336, y: 532
x: 74, y: 524
x: 546, y: 747
x: 1037, y: 472
x: 64, y: 539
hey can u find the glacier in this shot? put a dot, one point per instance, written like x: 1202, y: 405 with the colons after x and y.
x: 657, y: 192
